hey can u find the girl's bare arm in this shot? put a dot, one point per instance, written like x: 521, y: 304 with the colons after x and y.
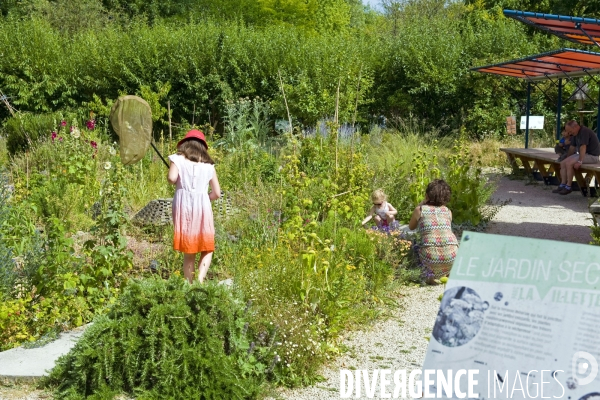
x: 173, y: 174
x: 215, y: 188
x: 392, y: 210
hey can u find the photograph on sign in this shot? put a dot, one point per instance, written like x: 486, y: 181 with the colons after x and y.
x: 517, y: 319
x: 535, y: 122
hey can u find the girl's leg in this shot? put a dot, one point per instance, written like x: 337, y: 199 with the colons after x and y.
x: 188, y: 266
x: 204, y: 264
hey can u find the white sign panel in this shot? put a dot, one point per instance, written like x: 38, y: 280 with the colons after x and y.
x: 520, y: 319
x: 535, y: 122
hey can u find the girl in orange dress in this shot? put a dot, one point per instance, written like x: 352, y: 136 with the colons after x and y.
x: 192, y: 171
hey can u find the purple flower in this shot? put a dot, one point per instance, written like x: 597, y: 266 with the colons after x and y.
x: 91, y: 124
x: 94, y: 144
x: 54, y: 136
x: 60, y: 139
x: 63, y: 123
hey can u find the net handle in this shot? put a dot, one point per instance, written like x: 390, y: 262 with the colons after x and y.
x: 160, y: 155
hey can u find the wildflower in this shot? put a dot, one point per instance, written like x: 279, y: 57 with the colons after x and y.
x: 107, y: 165
x: 75, y: 132
x: 60, y: 139
x: 94, y: 144
x: 275, y: 361
x: 112, y: 151
x: 54, y: 135
x: 91, y: 124
x: 63, y: 123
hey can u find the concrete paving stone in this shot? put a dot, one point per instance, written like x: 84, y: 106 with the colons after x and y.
x: 21, y: 364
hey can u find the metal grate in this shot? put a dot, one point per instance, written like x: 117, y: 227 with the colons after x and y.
x: 159, y: 212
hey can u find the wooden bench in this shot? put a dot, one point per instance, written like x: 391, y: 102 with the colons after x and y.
x: 544, y: 161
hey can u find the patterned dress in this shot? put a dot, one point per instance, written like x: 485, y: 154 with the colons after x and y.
x: 192, y: 213
x: 438, y: 245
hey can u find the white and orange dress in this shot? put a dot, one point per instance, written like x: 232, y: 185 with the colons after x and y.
x: 192, y: 211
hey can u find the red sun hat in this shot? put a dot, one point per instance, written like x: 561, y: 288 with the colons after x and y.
x: 193, y: 134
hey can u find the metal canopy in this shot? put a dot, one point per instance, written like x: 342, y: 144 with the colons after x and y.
x: 563, y: 63
x: 575, y: 29
x: 557, y: 64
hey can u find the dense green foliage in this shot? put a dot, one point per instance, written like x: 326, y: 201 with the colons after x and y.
x: 295, y: 247
x: 167, y: 339
x: 51, y: 282
x: 199, y: 55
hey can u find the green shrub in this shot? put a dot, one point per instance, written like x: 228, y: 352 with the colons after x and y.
x: 14, y: 319
x: 316, y: 273
x: 248, y: 167
x: 449, y: 159
x: 470, y: 189
x: 26, y: 129
x: 166, y: 339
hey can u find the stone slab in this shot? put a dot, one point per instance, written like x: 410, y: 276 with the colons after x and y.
x: 21, y: 364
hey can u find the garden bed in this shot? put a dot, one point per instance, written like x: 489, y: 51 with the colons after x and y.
x: 294, y: 248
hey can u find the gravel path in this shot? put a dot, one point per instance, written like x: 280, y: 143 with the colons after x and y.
x: 536, y: 212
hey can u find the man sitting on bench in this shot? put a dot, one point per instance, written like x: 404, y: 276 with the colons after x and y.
x: 585, y: 142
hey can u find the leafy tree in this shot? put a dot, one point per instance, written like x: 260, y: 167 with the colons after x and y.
x: 296, y: 12
x: 152, y: 9
x: 333, y: 15
x: 8, y: 5
x: 69, y: 16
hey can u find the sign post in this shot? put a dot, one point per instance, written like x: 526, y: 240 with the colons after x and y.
x: 527, y: 115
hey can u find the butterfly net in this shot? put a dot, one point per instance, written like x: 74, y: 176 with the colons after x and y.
x: 131, y: 118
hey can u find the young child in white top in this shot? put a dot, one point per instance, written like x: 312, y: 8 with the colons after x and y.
x: 382, y: 212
